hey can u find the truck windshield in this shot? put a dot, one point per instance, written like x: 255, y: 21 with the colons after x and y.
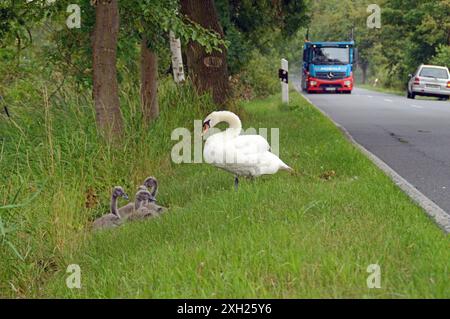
x: 331, y: 56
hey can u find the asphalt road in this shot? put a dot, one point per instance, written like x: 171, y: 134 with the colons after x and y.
x: 411, y: 136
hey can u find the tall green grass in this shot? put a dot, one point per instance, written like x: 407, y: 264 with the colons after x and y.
x: 307, y: 234
x: 56, y: 173
x: 312, y: 233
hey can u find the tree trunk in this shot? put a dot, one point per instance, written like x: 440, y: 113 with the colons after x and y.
x: 104, y: 47
x: 177, y: 58
x: 209, y: 71
x: 364, y: 72
x: 149, y: 82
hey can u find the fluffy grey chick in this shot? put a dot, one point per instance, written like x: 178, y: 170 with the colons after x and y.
x: 141, y: 199
x: 112, y: 219
x: 145, y: 199
x: 145, y: 206
x: 150, y: 185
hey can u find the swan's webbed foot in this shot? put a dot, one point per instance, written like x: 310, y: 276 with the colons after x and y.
x: 236, y: 183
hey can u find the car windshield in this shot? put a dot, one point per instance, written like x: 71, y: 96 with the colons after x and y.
x: 434, y: 73
x: 331, y: 56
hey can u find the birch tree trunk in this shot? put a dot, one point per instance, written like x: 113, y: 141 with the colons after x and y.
x: 177, y: 58
x: 149, y: 82
x: 104, y: 52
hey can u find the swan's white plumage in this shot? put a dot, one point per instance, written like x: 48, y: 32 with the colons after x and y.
x: 242, y: 155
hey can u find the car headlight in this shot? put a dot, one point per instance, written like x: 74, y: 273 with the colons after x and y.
x: 348, y: 83
x: 313, y: 83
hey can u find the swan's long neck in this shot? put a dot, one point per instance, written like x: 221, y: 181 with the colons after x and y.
x: 232, y: 119
x: 114, y: 205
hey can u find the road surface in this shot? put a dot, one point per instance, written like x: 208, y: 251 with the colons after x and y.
x: 411, y: 136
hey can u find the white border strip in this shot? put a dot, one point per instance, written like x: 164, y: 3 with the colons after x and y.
x: 431, y: 208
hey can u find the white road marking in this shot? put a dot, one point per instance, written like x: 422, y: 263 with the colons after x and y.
x: 370, y: 96
x: 417, y: 106
x: 388, y: 100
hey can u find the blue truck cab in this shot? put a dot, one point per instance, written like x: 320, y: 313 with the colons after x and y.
x: 328, y: 66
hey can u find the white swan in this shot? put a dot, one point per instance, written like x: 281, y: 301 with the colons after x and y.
x: 242, y: 155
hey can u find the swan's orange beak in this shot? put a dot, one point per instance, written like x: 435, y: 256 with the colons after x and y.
x: 205, y: 128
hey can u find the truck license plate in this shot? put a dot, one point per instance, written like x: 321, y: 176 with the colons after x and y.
x: 330, y: 89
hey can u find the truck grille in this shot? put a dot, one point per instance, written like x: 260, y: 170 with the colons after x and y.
x: 330, y: 75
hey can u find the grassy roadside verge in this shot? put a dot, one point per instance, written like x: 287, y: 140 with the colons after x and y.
x: 312, y: 233
x: 381, y: 89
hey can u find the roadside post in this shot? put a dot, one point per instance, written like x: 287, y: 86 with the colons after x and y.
x: 283, y: 74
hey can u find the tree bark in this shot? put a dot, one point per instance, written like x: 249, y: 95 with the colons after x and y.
x: 209, y: 71
x: 364, y: 75
x: 364, y: 67
x: 106, y: 93
x: 149, y: 82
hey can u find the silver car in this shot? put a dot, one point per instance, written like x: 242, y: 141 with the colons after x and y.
x: 430, y: 80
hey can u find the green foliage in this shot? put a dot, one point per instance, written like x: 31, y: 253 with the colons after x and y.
x: 260, y: 33
x: 255, y: 18
x: 412, y: 36
x: 67, y: 52
x: 412, y: 32
x: 442, y: 56
x: 259, y: 77
x: 17, y: 19
x: 263, y: 25
x: 334, y: 21
x: 155, y: 18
